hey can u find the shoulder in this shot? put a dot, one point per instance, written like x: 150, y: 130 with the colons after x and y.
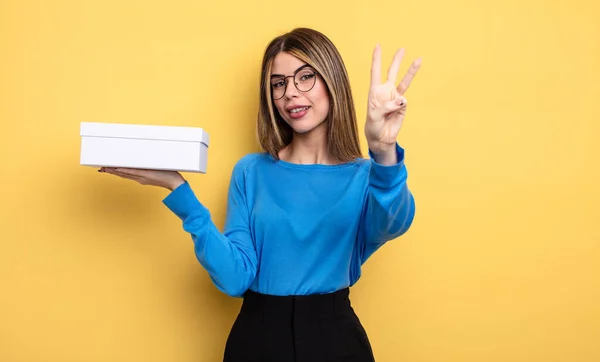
x: 247, y: 163
x: 363, y: 164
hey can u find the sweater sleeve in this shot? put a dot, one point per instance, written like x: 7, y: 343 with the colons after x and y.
x: 389, y: 206
x: 230, y: 257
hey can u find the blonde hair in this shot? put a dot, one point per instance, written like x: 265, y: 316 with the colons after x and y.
x: 315, y: 49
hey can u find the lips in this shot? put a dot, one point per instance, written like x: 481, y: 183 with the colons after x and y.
x: 297, y: 111
x: 293, y: 106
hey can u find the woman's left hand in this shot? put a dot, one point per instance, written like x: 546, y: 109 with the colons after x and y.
x: 387, y: 105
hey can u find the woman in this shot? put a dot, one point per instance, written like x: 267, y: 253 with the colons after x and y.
x: 303, y: 216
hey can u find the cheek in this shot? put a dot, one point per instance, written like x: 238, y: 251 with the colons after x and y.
x: 279, y: 107
x: 320, y: 98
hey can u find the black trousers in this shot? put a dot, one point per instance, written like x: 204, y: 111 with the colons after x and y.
x: 313, y: 328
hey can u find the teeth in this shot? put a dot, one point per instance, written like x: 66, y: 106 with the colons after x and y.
x: 296, y: 110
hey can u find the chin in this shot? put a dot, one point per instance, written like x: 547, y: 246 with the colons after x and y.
x: 302, y: 129
x: 304, y: 126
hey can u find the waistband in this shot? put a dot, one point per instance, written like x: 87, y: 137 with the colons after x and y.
x: 323, y: 303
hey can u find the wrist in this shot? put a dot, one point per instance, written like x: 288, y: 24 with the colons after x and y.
x: 175, y: 183
x: 386, y: 155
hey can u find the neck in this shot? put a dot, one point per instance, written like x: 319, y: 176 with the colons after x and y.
x: 308, y: 148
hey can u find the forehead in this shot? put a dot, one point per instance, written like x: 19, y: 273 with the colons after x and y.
x: 285, y: 63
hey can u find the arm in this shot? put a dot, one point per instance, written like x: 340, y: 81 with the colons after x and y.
x: 389, y: 206
x: 229, y: 257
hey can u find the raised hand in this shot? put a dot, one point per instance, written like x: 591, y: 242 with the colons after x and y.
x: 387, y: 104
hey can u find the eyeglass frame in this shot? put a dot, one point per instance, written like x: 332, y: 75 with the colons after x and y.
x: 284, y: 78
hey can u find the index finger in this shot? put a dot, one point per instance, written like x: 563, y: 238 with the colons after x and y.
x: 376, y: 66
x: 408, y: 78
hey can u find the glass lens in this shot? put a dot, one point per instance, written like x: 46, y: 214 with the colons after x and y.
x: 305, y: 80
x: 277, y: 87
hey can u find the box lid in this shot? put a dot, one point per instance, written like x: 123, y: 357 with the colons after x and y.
x: 153, y: 132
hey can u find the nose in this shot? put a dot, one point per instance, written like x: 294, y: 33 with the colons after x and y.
x: 290, y: 90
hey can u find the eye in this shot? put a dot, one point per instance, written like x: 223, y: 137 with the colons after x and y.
x: 306, y: 76
x: 278, y: 84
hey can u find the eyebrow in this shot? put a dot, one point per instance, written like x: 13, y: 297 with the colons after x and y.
x: 281, y: 75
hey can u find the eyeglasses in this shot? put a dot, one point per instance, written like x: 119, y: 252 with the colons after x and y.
x: 304, y: 79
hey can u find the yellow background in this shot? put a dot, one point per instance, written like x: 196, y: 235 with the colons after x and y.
x: 501, y: 264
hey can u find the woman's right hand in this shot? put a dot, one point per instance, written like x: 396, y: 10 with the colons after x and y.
x: 167, y: 179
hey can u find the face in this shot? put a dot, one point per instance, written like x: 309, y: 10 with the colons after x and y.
x: 304, y: 109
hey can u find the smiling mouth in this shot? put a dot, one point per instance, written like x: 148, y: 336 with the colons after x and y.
x: 299, y: 109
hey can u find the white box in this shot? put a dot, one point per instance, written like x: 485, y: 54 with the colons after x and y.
x: 171, y: 148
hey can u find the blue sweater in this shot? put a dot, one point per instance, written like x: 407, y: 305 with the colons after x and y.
x: 297, y: 229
